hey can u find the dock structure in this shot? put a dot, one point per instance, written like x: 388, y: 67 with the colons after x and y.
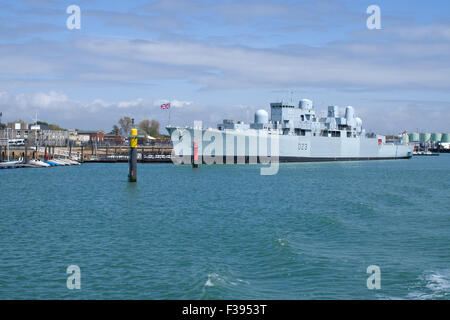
x: 159, y: 153
x: 118, y: 154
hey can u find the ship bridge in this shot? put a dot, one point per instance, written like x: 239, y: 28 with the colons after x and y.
x: 302, y: 120
x: 287, y: 119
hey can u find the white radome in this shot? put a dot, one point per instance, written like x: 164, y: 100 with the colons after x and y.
x: 261, y: 116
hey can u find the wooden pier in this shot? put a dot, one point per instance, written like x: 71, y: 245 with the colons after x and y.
x: 108, y: 154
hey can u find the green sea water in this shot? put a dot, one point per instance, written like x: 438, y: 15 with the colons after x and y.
x: 226, y: 232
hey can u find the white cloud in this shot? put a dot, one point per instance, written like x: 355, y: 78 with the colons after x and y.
x: 128, y: 104
x: 173, y: 103
x: 398, y: 63
x: 432, y: 32
x: 245, y: 67
x: 180, y: 104
x: 393, y: 62
x: 56, y: 107
x: 50, y: 100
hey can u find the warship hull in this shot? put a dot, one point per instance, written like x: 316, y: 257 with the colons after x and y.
x: 250, y: 146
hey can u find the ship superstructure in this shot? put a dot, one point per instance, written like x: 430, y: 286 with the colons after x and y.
x: 299, y: 133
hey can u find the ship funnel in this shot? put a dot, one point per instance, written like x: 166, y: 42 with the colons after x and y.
x: 261, y: 116
x: 333, y: 112
x: 350, y: 116
x: 358, y: 122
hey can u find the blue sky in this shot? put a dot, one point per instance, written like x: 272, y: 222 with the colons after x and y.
x: 224, y: 59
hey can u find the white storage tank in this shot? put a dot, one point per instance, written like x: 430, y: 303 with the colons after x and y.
x: 425, y: 137
x: 445, y: 137
x: 436, y: 137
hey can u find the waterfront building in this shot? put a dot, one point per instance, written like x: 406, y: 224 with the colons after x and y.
x: 35, y: 133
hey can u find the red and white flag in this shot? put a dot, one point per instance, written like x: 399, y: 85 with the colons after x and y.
x: 165, y: 105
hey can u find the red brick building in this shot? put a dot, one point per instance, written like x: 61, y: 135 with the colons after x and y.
x: 97, y: 136
x: 114, y: 139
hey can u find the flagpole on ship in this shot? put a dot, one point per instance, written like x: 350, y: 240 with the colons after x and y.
x: 166, y: 106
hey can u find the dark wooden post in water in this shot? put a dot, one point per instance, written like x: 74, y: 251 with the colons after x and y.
x: 26, y: 153
x: 82, y: 153
x: 195, y: 160
x: 132, y: 158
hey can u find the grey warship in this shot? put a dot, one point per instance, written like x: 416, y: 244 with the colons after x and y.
x: 301, y: 136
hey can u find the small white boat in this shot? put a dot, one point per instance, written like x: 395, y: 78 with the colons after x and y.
x: 59, y: 162
x: 8, y: 164
x: 39, y: 163
x: 68, y: 162
x: 73, y: 162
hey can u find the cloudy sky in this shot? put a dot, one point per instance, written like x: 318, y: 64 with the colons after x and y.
x: 224, y: 59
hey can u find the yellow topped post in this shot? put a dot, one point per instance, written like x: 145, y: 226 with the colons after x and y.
x: 132, y: 159
x: 134, y: 140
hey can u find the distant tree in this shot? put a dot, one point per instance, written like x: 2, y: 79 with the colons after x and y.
x: 144, y: 125
x: 154, y: 132
x: 51, y: 126
x: 150, y: 127
x: 56, y: 127
x: 2, y: 126
x: 125, y: 124
x: 115, y: 130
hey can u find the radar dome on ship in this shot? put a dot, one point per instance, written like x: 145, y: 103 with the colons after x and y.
x: 261, y: 116
x: 305, y: 104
